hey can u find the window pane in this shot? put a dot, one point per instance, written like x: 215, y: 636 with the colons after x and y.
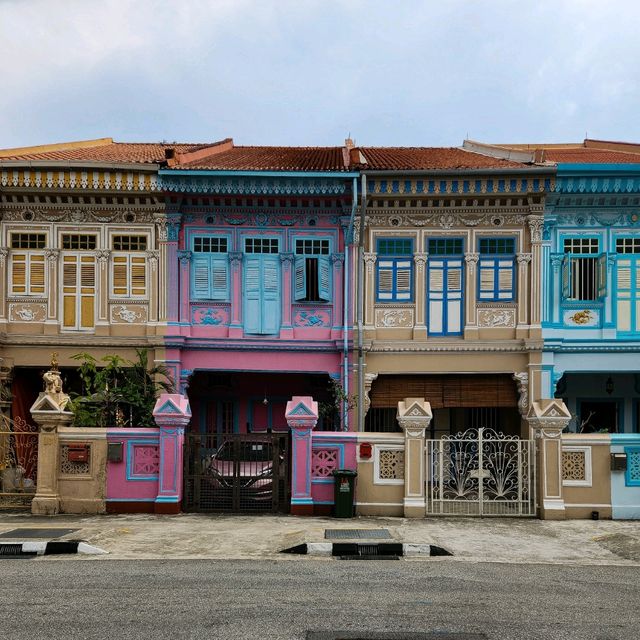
x: 445, y: 246
x: 502, y: 246
x: 129, y: 243
x: 28, y: 240
x: 581, y: 245
x: 395, y: 246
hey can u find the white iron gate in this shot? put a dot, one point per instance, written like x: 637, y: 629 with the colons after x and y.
x: 481, y: 472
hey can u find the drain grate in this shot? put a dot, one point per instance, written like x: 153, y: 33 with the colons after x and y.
x: 361, y: 534
x: 36, y: 533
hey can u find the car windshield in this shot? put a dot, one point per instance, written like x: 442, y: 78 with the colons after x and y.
x: 251, y: 451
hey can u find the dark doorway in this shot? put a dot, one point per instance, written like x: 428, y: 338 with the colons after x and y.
x: 598, y: 415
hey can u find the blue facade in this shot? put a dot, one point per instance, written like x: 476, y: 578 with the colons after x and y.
x: 591, y: 295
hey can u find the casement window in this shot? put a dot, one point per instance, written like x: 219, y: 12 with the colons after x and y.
x: 78, y: 291
x: 394, y: 270
x: 79, y: 242
x: 210, y: 268
x: 261, y: 269
x: 628, y: 284
x: 129, y: 268
x: 584, y: 270
x: 445, y: 279
x: 312, y: 271
x: 28, y: 272
x: 496, y: 269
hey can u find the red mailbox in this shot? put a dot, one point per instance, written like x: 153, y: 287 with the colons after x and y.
x: 78, y: 452
x: 365, y: 450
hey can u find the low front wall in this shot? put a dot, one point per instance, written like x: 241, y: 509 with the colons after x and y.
x: 81, y: 484
x: 132, y: 484
x: 380, y: 487
x: 586, y: 478
x: 625, y: 485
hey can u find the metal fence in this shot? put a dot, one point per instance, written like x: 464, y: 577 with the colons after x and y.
x: 18, y: 463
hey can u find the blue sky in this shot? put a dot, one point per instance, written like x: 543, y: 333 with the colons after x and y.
x: 309, y: 72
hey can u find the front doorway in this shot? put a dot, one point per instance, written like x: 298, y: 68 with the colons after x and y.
x: 598, y: 416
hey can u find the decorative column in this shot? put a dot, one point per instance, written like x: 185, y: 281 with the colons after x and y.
x: 235, y: 328
x: 414, y: 416
x: 48, y: 412
x: 4, y: 254
x: 163, y: 268
x: 366, y: 401
x: 173, y: 269
x: 523, y: 260
x: 609, y: 331
x: 184, y: 257
x: 547, y: 418
x: 172, y: 414
x: 536, y: 223
x: 369, y: 291
x: 154, y: 285
x: 286, y: 329
x: 51, y: 323
x: 471, y: 285
x: 102, y: 290
x: 302, y: 416
x: 522, y: 382
x: 556, y: 263
x: 420, y: 324
x: 337, y: 260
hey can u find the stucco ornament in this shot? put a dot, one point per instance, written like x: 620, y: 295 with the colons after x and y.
x: 389, y: 318
x: 127, y: 315
x: 522, y: 380
x: 496, y: 317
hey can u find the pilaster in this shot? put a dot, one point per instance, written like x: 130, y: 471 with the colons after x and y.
x: 4, y: 254
x: 471, y: 285
x: 370, y: 294
x: 420, y: 325
x: 523, y: 260
x: 337, y: 261
x: 184, y: 257
x: 235, y: 328
x: 53, y: 292
x: 286, y: 329
x: 536, y: 224
x: 102, y: 294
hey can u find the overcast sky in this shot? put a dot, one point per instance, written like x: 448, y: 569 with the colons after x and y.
x: 309, y: 72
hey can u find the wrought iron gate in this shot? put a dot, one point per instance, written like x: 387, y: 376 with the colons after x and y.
x: 18, y: 463
x: 481, y: 472
x: 237, y: 473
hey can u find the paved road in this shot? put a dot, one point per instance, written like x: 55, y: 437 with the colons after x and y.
x: 445, y: 600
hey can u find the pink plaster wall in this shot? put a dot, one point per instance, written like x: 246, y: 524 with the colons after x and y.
x: 119, y: 488
x: 345, y: 444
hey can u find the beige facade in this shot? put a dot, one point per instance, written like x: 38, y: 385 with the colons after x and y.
x: 452, y: 292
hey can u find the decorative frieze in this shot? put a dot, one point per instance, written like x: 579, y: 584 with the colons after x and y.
x: 128, y: 314
x: 392, y: 318
x: 493, y: 317
x: 311, y: 317
x: 210, y: 316
x: 27, y: 312
x: 457, y: 217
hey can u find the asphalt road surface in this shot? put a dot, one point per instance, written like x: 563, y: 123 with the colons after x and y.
x: 315, y: 599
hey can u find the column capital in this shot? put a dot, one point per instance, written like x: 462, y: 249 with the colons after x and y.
x: 4, y: 252
x: 286, y: 259
x: 184, y: 256
x: 337, y: 259
x: 523, y: 258
x: 235, y: 257
x: 420, y: 259
x: 51, y: 254
x: 536, y: 224
x: 370, y: 260
x: 102, y: 255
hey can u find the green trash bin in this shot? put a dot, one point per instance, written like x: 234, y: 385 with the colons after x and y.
x: 343, y: 492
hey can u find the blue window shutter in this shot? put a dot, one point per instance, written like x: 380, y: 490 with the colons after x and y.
x: 385, y: 279
x: 200, y: 277
x: 505, y: 269
x: 300, y: 278
x: 270, y: 295
x: 566, y: 277
x: 219, y: 278
x: 324, y: 278
x: 486, y: 279
x: 602, y: 275
x: 403, y: 271
x: 252, y: 311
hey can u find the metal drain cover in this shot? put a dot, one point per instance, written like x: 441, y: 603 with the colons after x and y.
x: 36, y: 533
x: 355, y: 635
x: 361, y: 534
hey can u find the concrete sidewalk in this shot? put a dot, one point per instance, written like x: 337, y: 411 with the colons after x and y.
x: 245, y: 537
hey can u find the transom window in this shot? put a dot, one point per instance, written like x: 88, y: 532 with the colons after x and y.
x: 78, y: 241
x: 627, y: 245
x: 312, y: 247
x: 129, y: 243
x: 206, y: 244
x: 28, y: 240
x: 445, y: 246
x: 497, y: 246
x: 261, y: 245
x: 581, y: 245
x: 395, y: 247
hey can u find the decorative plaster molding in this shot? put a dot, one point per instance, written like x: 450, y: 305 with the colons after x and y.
x: 386, y: 318
x: 184, y: 256
x: 497, y: 317
x: 370, y: 260
x: 4, y: 252
x: 523, y: 258
x: 522, y: 380
x: 52, y: 255
x: 102, y: 255
x: 536, y: 224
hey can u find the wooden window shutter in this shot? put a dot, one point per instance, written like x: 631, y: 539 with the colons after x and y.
x: 300, y: 278
x: 324, y: 278
x: 120, y: 276
x: 19, y: 273
x: 138, y: 275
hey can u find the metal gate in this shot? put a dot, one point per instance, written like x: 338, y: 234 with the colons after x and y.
x: 237, y: 473
x: 18, y: 463
x: 481, y: 472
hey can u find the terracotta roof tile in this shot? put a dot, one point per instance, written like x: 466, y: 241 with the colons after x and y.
x: 581, y: 155
x: 271, y: 159
x: 427, y: 158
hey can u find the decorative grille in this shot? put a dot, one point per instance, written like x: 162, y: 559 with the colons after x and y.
x: 633, y: 466
x: 69, y: 468
x: 391, y: 464
x: 146, y: 460
x: 323, y: 462
x: 574, y: 465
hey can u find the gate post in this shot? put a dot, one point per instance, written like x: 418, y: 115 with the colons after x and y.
x: 414, y: 416
x: 172, y: 414
x: 48, y: 412
x: 302, y: 416
x: 547, y: 418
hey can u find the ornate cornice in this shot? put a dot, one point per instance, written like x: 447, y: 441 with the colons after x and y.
x: 462, y: 347
x: 447, y: 219
x: 81, y: 213
x: 597, y: 184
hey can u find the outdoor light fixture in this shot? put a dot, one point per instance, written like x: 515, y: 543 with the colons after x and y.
x: 608, y: 385
x: 265, y: 402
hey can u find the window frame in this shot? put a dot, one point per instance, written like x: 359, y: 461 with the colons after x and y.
x: 570, y: 258
x: 323, y: 261
x: 29, y: 253
x: 129, y: 255
x: 495, y: 259
x: 215, y: 259
x: 396, y: 268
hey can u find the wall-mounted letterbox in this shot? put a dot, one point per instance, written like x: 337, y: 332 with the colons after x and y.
x: 618, y: 462
x: 78, y: 452
x: 114, y: 452
x: 365, y: 450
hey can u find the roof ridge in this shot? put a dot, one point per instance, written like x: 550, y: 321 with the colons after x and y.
x: 56, y: 146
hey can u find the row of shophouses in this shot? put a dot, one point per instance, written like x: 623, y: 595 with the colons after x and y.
x: 419, y: 293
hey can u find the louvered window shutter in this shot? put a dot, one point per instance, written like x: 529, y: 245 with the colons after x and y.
x: 36, y: 274
x: 219, y: 278
x: 252, y: 311
x: 138, y: 275
x: 69, y: 291
x: 120, y: 276
x: 385, y: 279
x: 87, y: 291
x: 505, y: 279
x: 324, y: 278
x: 19, y: 273
x: 487, y: 280
x: 300, y: 278
x: 200, y: 283
x: 403, y: 280
x: 271, y: 295
x: 566, y: 277
x: 624, y: 297
x: 602, y: 275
